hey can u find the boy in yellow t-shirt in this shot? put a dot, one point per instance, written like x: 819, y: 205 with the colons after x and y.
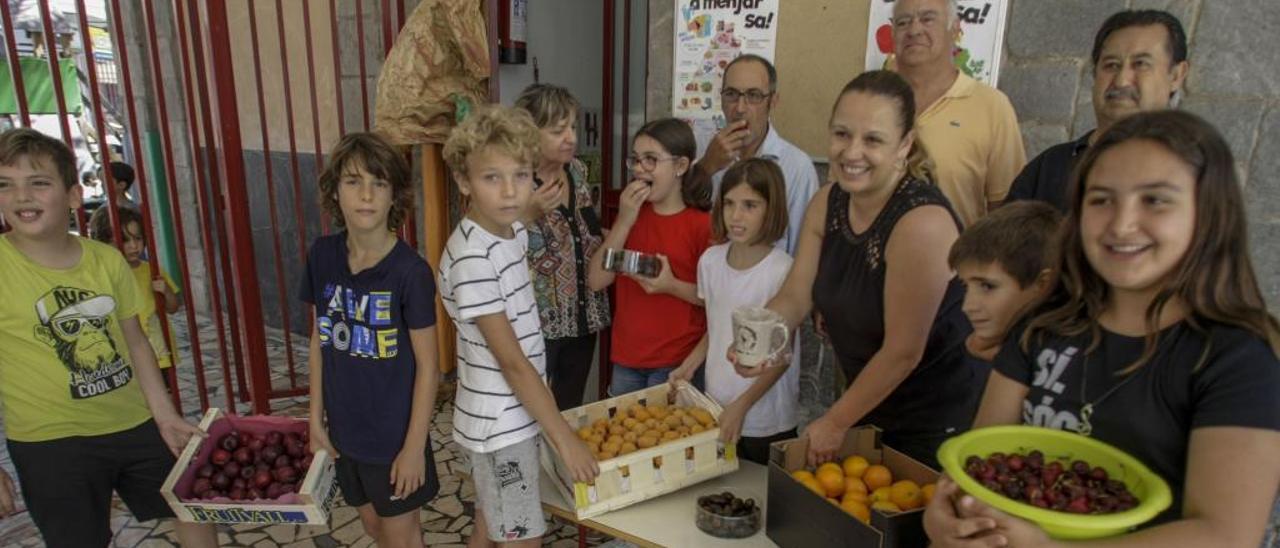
x: 85, y: 411
x: 133, y: 241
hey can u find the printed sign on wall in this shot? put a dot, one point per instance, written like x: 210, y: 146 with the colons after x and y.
x: 708, y: 35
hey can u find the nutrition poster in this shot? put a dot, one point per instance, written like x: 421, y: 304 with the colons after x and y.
x: 981, y: 35
x: 709, y: 34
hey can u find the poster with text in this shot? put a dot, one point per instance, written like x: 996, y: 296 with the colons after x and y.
x: 981, y: 37
x: 708, y: 35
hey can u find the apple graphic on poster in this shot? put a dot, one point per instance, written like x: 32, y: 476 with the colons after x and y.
x: 884, y: 39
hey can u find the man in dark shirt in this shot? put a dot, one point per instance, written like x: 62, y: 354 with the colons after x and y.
x: 1139, y: 64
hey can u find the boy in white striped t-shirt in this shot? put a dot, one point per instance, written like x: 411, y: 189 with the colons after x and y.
x: 502, y: 401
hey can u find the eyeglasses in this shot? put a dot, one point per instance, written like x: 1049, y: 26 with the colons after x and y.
x: 649, y: 161
x: 754, y: 96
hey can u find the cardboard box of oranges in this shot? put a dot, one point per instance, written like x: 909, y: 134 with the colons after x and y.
x: 648, y: 443
x: 870, y: 496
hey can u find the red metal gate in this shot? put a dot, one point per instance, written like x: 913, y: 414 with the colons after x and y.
x: 222, y: 186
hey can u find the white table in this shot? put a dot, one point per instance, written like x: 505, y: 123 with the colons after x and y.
x: 669, y: 519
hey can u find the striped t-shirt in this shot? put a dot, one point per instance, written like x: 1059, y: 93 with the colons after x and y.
x: 482, y: 274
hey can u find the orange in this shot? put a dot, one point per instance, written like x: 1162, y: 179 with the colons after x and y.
x: 813, y: 485
x: 833, y: 467
x: 906, y: 494
x: 856, y: 509
x: 927, y: 492
x: 882, y: 494
x: 854, y: 485
x: 886, y: 507
x: 855, y: 466
x: 877, y: 476
x: 832, y: 481
x: 800, y: 474
x: 854, y: 495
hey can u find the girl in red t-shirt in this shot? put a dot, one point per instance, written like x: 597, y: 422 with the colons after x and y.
x: 657, y: 320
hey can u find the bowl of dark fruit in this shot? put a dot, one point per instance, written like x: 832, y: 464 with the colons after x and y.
x: 725, y: 515
x: 1072, y: 486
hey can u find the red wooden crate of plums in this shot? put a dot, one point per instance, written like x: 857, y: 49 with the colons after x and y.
x: 251, y: 470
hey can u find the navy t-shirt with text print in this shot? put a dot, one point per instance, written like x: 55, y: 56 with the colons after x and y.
x: 363, y: 321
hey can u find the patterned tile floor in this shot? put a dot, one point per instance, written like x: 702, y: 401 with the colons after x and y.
x: 446, y: 520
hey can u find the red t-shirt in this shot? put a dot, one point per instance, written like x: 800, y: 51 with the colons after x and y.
x: 661, y: 330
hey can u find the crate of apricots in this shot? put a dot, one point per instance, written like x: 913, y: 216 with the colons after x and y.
x: 871, y: 495
x: 648, y: 443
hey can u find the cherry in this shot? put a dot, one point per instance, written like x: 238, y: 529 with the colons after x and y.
x: 220, y: 457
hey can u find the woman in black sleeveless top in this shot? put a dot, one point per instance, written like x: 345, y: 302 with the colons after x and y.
x: 873, y: 259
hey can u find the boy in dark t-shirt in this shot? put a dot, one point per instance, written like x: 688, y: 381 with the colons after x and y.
x: 1003, y: 260
x: 373, y: 355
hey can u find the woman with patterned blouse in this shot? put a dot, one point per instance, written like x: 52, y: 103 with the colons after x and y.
x: 564, y: 231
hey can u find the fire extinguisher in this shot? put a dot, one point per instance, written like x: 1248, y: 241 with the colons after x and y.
x: 513, y: 18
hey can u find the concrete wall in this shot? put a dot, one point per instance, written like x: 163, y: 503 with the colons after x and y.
x: 565, y: 38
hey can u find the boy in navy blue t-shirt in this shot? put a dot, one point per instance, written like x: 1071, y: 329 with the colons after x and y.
x: 373, y: 351
x: 1005, y: 261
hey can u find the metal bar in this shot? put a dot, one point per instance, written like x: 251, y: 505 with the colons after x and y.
x: 148, y: 226
x: 315, y: 107
x: 364, y: 88
x: 172, y: 183
x: 281, y: 299
x: 15, y: 66
x: 606, y: 161
x: 301, y: 225
x: 337, y: 67
x: 220, y: 201
x: 55, y: 70
x: 626, y: 70
x: 205, y: 220
x: 387, y: 34
x: 55, y: 75
x: 247, y: 295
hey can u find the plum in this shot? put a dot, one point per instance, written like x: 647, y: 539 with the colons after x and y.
x: 230, y: 441
x: 201, y: 486
x: 285, y: 474
x: 261, y: 480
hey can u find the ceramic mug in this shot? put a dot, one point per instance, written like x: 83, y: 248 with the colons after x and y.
x: 759, y: 334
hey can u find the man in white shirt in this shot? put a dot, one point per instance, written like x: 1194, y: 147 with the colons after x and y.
x: 748, y: 93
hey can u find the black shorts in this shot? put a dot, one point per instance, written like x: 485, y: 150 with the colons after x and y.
x: 364, y: 483
x: 67, y: 483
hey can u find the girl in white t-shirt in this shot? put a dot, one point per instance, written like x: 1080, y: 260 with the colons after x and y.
x: 745, y: 269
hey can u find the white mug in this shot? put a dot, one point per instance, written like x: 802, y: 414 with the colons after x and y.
x: 759, y: 334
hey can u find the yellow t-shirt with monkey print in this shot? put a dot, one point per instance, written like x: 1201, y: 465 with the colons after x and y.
x: 64, y: 364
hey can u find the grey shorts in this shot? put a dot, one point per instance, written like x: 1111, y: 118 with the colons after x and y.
x: 507, y: 490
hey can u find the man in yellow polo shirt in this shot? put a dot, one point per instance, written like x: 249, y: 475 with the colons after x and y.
x: 968, y: 127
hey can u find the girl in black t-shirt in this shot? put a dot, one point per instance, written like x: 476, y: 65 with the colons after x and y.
x: 1157, y: 341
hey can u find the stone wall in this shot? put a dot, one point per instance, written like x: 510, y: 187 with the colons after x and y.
x: 1234, y: 83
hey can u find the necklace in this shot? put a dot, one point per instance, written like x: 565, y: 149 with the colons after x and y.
x: 1085, y: 428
